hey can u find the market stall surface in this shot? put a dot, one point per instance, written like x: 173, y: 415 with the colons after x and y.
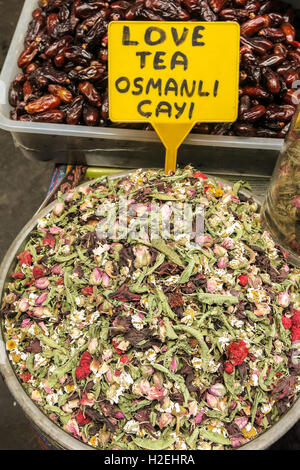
x: 23, y: 186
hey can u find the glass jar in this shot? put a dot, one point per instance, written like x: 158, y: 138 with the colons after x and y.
x: 281, y: 208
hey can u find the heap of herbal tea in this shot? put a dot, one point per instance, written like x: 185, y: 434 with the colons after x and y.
x: 172, y: 342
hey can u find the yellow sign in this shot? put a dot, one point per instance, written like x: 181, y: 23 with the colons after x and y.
x: 173, y: 74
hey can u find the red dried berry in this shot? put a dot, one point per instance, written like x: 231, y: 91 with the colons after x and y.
x: 295, y: 326
x: 124, y: 359
x: 18, y: 275
x: 83, y: 370
x: 176, y: 300
x: 81, y: 419
x: 87, y: 290
x: 243, y: 280
x: 237, y: 352
x: 198, y: 174
x: 287, y: 322
x: 25, y: 258
x: 25, y: 377
x: 118, y: 351
x: 38, y: 271
x: 296, y: 318
x: 49, y: 240
x: 228, y: 367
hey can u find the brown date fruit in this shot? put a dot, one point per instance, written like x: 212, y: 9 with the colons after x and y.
x: 90, y: 115
x: 54, y: 116
x: 42, y: 104
x: 90, y: 92
x: 65, y: 58
x: 254, y: 113
x: 63, y: 93
x: 74, y: 112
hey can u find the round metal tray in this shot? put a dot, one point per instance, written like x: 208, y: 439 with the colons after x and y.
x: 56, y: 434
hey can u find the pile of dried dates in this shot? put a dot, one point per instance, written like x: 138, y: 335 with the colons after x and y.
x: 64, y: 62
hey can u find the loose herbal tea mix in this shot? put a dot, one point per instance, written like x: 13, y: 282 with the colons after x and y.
x: 141, y: 343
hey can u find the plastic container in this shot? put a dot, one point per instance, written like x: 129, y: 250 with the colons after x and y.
x: 125, y: 148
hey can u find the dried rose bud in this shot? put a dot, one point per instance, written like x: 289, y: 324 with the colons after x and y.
x: 147, y: 370
x: 164, y: 420
x: 70, y: 195
x: 25, y: 323
x: 59, y: 208
x: 222, y: 262
x: 237, y: 442
x: 219, y: 251
x: 173, y: 365
x: 93, y: 346
x: 222, y: 405
x: 38, y: 312
x: 36, y: 396
x: 57, y: 270
x: 211, y: 286
x: 199, y: 417
x: 119, y: 415
x: 228, y: 243
x: 193, y: 408
x: 211, y: 401
x: 42, y: 283
x: 55, y: 230
x: 144, y: 386
x: 10, y: 298
x: 96, y: 277
x: 284, y: 299
x: 95, y: 365
x: 99, y: 277
x: 296, y: 202
x: 23, y: 305
x: 204, y: 240
x: 262, y: 309
x: 156, y: 393
x: 41, y: 298
x: 158, y: 379
x: 105, y: 280
x: 72, y: 427
x: 143, y: 256
x: 285, y: 268
x: 241, y: 422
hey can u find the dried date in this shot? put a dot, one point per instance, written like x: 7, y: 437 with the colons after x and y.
x: 64, y: 62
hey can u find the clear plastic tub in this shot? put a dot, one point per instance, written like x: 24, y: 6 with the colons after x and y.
x: 125, y: 148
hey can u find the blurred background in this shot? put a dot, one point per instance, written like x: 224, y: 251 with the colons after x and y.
x: 23, y: 185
